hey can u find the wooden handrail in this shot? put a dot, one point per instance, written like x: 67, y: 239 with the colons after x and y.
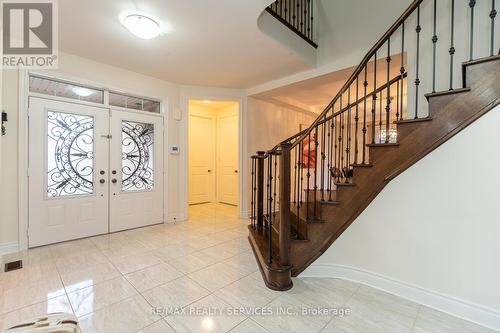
x: 414, y: 5
x: 353, y: 104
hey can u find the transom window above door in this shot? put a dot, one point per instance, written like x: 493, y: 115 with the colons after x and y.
x: 39, y: 84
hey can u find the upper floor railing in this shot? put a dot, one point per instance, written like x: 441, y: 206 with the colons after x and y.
x: 298, y: 15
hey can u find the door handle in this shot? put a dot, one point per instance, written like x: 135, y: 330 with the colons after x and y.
x: 114, y: 180
x: 102, y: 181
x: 209, y: 170
x: 235, y: 171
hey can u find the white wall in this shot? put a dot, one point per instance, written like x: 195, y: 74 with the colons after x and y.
x: 436, y: 227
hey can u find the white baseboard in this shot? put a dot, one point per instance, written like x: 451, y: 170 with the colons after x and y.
x: 7, y: 248
x: 479, y: 314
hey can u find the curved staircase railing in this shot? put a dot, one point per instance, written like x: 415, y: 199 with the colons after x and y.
x: 291, y: 180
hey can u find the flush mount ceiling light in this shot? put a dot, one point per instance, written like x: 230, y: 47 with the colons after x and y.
x: 83, y: 92
x: 142, y: 26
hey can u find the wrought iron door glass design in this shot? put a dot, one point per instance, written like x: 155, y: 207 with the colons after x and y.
x: 70, y: 154
x: 137, y: 156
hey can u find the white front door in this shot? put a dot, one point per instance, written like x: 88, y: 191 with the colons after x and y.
x: 227, y: 169
x: 68, y: 169
x: 136, y: 164
x: 201, y: 159
x: 84, y: 181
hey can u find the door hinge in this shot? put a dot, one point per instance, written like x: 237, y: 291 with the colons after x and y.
x: 28, y: 172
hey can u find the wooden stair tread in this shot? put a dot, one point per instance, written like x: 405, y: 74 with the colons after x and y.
x: 447, y: 92
x: 361, y: 165
x: 377, y: 145
x: 345, y: 184
x: 410, y: 121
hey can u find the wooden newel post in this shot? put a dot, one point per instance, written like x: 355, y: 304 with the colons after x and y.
x: 285, y: 188
x: 260, y: 189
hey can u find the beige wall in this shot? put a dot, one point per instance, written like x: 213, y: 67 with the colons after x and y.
x: 267, y: 125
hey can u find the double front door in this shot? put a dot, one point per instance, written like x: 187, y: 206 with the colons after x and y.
x: 92, y: 170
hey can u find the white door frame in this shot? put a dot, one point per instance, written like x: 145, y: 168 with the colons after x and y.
x: 242, y: 206
x: 23, y: 151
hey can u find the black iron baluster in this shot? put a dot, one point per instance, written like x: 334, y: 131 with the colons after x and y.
x: 374, y: 97
x: 295, y: 163
x: 307, y: 18
x: 275, y: 178
x: 417, y: 79
x: 388, y: 103
x: 452, y: 46
x: 380, y: 118
x: 348, y: 137
x: 340, y: 147
x: 434, y: 42
x: 493, y: 14
x: 336, y: 128
x: 308, y: 175
x: 301, y: 29
x: 298, y: 152
x: 301, y: 187
x: 330, y: 160
x: 356, y: 120
x: 311, y: 10
x: 315, y: 169
x: 270, y: 199
x: 323, y: 157
x: 402, y: 70
x: 472, y: 3
x: 365, y: 84
x: 252, y: 202
x: 397, y: 100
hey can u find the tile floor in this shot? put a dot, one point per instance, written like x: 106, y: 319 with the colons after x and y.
x: 176, y: 278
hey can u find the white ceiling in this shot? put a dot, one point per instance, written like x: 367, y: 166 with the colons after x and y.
x: 213, y: 42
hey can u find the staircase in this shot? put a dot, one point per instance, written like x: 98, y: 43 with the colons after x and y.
x: 308, y: 189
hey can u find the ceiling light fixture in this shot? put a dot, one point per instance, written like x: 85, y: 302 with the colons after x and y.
x: 83, y: 92
x: 141, y: 26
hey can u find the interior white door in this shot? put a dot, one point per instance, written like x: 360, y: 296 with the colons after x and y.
x: 68, y: 165
x: 227, y: 169
x: 136, y: 166
x: 201, y: 159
